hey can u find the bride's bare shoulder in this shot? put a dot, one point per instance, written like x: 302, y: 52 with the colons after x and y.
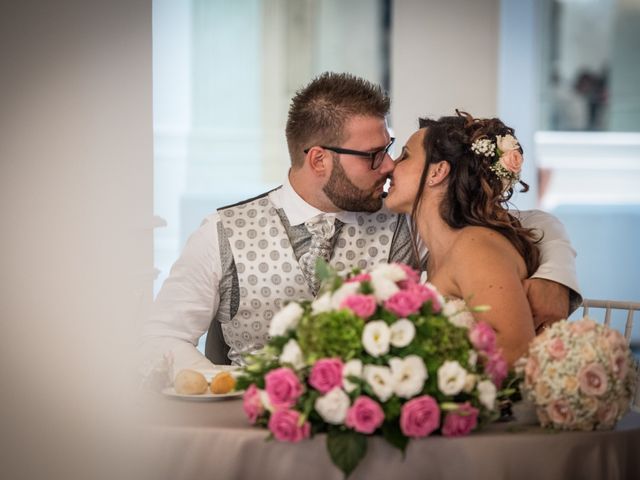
x: 483, y: 244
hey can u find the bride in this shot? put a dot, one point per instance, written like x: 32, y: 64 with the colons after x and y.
x: 454, y: 176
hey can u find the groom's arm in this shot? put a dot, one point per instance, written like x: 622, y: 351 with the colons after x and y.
x: 553, y: 290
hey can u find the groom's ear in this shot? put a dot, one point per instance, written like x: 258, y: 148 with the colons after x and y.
x: 439, y: 172
x: 319, y: 161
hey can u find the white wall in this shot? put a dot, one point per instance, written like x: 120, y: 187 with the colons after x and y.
x: 444, y: 56
x: 76, y: 244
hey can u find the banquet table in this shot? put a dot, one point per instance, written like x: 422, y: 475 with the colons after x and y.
x: 213, y: 440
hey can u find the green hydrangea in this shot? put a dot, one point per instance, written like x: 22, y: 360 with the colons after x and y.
x: 330, y: 334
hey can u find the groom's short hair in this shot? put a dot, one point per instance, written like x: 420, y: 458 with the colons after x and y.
x: 319, y: 111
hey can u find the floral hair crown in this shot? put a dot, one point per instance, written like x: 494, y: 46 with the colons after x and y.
x: 508, y: 165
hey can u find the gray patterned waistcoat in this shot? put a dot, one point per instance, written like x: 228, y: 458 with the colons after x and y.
x: 267, y: 268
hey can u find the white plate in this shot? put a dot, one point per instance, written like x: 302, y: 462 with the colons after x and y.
x: 205, y: 397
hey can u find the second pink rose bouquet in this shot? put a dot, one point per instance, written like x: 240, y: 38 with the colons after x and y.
x: 377, y: 353
x: 579, y: 375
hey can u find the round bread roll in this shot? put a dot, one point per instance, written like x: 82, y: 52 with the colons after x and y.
x: 223, y: 383
x: 190, y: 382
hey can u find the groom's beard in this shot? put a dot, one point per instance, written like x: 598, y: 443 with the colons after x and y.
x: 346, y: 196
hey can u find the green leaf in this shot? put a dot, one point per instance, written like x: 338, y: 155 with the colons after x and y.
x: 346, y: 449
x: 392, y: 434
x: 323, y: 270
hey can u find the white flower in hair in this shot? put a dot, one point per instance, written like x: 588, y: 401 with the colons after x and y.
x: 507, y: 142
x: 484, y: 146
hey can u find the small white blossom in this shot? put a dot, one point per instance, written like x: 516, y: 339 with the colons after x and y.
x: 390, y: 271
x: 375, y: 338
x: 383, y: 288
x: 353, y: 368
x: 484, y: 147
x: 409, y: 374
x: 402, y: 332
x: 487, y: 394
x: 507, y: 142
x: 451, y: 377
x: 333, y: 406
x: 473, y: 358
x: 321, y: 304
x: 292, y: 355
x: 380, y: 380
x: 286, y: 319
x: 457, y: 313
x: 345, y: 290
x: 470, y: 382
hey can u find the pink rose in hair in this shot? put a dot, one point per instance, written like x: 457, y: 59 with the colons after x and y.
x: 593, y: 379
x: 283, y: 387
x: 483, y: 337
x: 461, y: 421
x: 365, y: 415
x: 512, y: 161
x: 284, y: 424
x: 497, y: 368
x: 403, y: 303
x: 361, y: 277
x: 560, y: 412
x: 362, y: 305
x: 326, y: 374
x: 419, y: 417
x: 251, y: 403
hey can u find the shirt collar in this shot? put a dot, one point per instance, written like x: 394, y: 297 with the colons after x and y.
x: 297, y: 210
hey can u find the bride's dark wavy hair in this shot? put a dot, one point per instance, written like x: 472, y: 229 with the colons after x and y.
x: 475, y: 194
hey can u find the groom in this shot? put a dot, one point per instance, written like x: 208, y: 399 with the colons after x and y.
x: 246, y: 260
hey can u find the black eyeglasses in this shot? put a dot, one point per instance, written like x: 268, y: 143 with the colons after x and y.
x: 376, y: 157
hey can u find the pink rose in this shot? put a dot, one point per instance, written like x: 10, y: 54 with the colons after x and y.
x: 620, y: 364
x: 583, y: 326
x: 593, y: 379
x: 413, y: 276
x: 326, y: 374
x: 403, y: 303
x: 419, y: 417
x: 251, y: 403
x: 361, y: 277
x: 497, y: 368
x: 284, y: 424
x: 607, y: 414
x: 560, y: 412
x: 615, y: 340
x: 362, y: 305
x: 427, y: 293
x: 365, y: 415
x: 461, y: 421
x: 512, y: 161
x: 483, y: 337
x: 557, y: 349
x: 532, y: 369
x: 283, y: 387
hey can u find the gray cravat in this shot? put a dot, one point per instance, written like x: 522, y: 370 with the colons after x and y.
x: 322, y: 228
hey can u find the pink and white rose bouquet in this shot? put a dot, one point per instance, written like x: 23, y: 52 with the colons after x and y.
x: 377, y: 353
x: 579, y: 375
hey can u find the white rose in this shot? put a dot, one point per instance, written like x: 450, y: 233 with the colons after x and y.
x: 292, y: 355
x: 333, y: 406
x: 383, y: 288
x: 353, y: 368
x: 390, y: 271
x: 286, y: 319
x: 321, y: 304
x: 345, y: 290
x: 380, y: 380
x: 409, y: 374
x: 457, y: 313
x: 402, y: 332
x: 451, y: 377
x: 506, y: 143
x: 469, y: 383
x: 375, y: 338
x: 487, y: 394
